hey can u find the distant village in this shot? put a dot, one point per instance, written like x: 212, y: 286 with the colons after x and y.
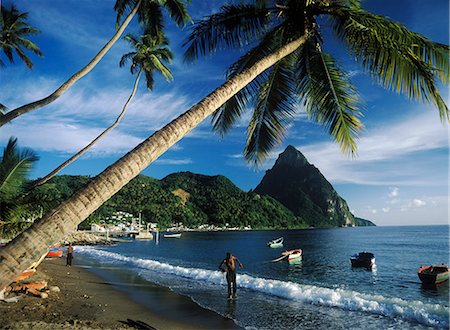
x: 124, y: 222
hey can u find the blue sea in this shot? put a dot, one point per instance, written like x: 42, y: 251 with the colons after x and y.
x: 321, y: 292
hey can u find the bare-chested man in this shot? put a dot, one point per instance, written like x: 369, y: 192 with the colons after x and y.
x: 229, y: 262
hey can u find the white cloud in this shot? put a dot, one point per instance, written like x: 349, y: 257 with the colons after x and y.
x: 383, y: 148
x: 63, y: 138
x: 385, y: 209
x: 167, y: 161
x: 393, y: 192
x: 419, y: 203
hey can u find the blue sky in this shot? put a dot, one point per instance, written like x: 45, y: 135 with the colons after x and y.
x: 399, y: 178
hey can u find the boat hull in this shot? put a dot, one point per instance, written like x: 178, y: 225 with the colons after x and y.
x: 363, y: 259
x: 275, y: 245
x: 54, y: 254
x: 427, y: 276
x: 172, y: 236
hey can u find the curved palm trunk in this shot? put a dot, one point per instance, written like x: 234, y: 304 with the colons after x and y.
x: 72, y: 80
x: 58, y: 223
x: 82, y: 151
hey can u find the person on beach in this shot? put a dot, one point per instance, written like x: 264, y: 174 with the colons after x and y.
x: 69, y: 255
x: 229, y: 262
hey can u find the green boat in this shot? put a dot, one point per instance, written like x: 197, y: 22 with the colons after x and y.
x: 433, y: 274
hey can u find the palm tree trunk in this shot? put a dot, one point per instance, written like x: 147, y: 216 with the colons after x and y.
x: 82, y: 151
x: 58, y: 223
x: 72, y: 80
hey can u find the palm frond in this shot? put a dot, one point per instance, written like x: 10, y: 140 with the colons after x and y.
x: 14, y: 168
x: 401, y: 60
x: 274, y: 109
x: 151, y: 17
x: 125, y: 58
x: 225, y: 117
x: 121, y: 7
x: 178, y: 12
x: 328, y: 96
x: 233, y: 27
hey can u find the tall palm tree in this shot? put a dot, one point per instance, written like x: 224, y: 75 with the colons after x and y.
x: 14, y: 31
x: 15, y: 166
x: 398, y: 59
x: 424, y: 59
x: 150, y: 15
x: 150, y: 55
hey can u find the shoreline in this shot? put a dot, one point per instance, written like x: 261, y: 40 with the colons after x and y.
x: 87, y: 301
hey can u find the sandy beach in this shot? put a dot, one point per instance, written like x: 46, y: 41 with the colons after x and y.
x: 87, y: 301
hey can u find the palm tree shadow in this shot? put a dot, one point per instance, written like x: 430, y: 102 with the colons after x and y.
x: 136, y: 324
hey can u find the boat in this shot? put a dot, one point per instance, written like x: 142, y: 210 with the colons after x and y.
x: 54, y: 253
x: 292, y: 254
x: 276, y: 243
x: 433, y: 274
x: 172, y: 235
x: 363, y: 259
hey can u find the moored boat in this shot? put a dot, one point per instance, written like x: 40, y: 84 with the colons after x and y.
x: 276, y: 243
x: 178, y: 235
x: 363, y: 259
x: 433, y: 274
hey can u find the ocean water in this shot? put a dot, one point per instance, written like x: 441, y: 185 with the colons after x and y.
x: 321, y: 292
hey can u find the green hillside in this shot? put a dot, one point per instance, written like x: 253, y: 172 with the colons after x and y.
x: 192, y: 199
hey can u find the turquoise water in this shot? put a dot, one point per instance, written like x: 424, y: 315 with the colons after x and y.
x: 323, y: 291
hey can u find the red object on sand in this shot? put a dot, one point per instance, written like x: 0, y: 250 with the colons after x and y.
x: 54, y: 253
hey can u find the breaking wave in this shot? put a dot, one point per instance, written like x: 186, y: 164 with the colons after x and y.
x: 427, y: 314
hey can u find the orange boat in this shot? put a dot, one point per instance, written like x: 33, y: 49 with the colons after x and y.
x: 54, y: 253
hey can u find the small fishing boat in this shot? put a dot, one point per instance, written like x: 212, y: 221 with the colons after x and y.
x: 433, y: 274
x: 363, y: 259
x: 292, y: 254
x: 172, y: 235
x: 276, y: 243
x: 54, y: 253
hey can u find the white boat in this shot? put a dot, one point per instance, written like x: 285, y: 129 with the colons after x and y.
x: 172, y: 235
x: 276, y: 243
x: 293, y: 254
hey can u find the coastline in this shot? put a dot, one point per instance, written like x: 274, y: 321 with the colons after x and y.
x: 87, y: 301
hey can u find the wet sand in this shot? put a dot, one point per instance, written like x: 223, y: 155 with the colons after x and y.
x: 88, y: 301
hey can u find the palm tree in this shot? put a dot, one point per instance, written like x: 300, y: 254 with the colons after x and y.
x: 398, y: 59
x: 15, y: 166
x: 13, y: 33
x: 149, y: 56
x: 385, y: 57
x: 150, y: 15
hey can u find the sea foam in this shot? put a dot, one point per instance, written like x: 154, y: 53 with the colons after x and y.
x: 427, y: 314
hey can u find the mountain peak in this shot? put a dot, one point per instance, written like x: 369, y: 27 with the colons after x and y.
x: 293, y: 157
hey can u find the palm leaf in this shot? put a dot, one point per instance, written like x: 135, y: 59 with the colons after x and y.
x: 14, y: 168
x: 329, y: 98
x: 233, y: 27
x: 177, y: 11
x: 225, y: 117
x: 274, y: 109
x: 401, y: 60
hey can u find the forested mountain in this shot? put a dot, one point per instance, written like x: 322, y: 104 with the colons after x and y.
x: 192, y: 199
x: 300, y: 186
x: 293, y: 194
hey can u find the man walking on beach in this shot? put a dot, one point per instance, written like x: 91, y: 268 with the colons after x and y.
x: 229, y: 262
x: 69, y: 255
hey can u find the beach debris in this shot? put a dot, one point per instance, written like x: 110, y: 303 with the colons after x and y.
x: 54, y: 289
x: 25, y: 274
x: 37, y: 289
